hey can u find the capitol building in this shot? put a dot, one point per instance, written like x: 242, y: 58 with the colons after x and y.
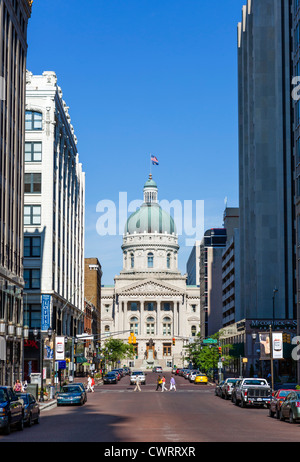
x: 150, y: 297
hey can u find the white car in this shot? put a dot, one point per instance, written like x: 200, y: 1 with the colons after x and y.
x: 140, y: 375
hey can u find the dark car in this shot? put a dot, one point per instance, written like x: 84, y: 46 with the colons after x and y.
x: 31, y: 408
x: 11, y: 410
x: 290, y: 408
x: 117, y: 372
x: 70, y: 394
x: 276, y: 402
x: 110, y: 377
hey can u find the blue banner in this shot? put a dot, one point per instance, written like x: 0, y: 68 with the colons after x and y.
x: 45, y: 315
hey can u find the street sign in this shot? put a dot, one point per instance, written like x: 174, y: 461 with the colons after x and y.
x: 210, y: 341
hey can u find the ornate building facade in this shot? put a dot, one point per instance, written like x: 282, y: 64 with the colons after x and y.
x: 150, y: 296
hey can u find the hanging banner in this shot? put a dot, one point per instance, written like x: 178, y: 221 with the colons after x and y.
x: 59, y: 348
x: 265, y: 347
x: 46, y: 308
x: 277, y: 345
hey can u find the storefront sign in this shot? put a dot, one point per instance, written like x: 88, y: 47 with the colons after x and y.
x: 46, y: 305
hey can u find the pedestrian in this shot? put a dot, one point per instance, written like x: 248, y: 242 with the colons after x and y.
x: 89, y: 384
x: 137, y: 384
x: 18, y: 386
x: 172, y: 384
x: 159, y: 383
x: 92, y: 384
x: 164, y: 384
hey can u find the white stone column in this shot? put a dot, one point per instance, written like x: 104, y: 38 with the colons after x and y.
x: 142, y: 317
x: 158, y: 317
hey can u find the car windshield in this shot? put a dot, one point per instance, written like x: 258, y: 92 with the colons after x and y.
x: 71, y: 390
x: 2, y: 395
x: 254, y: 382
x: 111, y: 373
x: 137, y: 373
x: 231, y: 381
x: 284, y: 393
x: 23, y: 396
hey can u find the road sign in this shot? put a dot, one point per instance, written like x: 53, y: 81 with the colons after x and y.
x: 210, y: 341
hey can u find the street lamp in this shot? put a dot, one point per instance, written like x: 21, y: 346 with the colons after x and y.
x: 35, y: 333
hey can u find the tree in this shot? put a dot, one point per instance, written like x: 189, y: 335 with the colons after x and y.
x: 115, y: 350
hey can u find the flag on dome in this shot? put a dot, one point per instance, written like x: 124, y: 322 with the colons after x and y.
x: 154, y: 160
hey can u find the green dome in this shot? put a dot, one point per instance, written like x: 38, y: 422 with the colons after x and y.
x: 150, y: 218
x: 150, y: 184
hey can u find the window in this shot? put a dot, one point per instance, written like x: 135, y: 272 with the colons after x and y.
x: 167, y: 326
x: 166, y: 307
x: 193, y: 331
x: 33, y: 183
x: 150, y: 306
x: 33, y: 120
x: 150, y: 260
x: 168, y: 260
x: 107, y: 329
x: 32, y: 246
x: 133, y: 306
x: 167, y: 349
x: 134, y: 325
x: 32, y: 278
x: 132, y: 260
x: 32, y: 316
x: 32, y: 215
x: 150, y: 326
x: 33, y: 152
x: 194, y: 308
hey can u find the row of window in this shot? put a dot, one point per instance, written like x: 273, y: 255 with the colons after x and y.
x: 150, y: 260
x: 150, y: 327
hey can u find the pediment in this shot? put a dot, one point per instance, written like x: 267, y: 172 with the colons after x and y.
x: 150, y: 287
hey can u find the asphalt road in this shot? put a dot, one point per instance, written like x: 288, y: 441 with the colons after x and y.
x: 117, y: 414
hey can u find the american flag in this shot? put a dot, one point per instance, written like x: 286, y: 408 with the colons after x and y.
x: 154, y: 160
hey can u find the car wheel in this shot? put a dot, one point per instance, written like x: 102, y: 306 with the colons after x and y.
x: 29, y: 423
x: 37, y: 420
x: 243, y: 404
x: 271, y: 413
x: 7, y: 429
x: 277, y: 414
x: 21, y: 424
x: 291, y: 418
x: 281, y: 417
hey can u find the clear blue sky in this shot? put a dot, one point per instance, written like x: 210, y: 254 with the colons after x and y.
x: 141, y: 77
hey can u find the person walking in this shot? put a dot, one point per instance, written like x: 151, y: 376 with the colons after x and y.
x: 159, y: 383
x: 92, y: 384
x: 137, y: 384
x: 89, y: 384
x: 172, y: 384
x: 164, y: 384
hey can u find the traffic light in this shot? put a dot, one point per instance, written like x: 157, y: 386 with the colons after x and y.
x: 288, y: 338
x: 132, y: 339
x: 220, y: 350
x: 284, y: 338
x: 173, y: 341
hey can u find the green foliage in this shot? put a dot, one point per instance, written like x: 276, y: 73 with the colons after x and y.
x: 116, y: 350
x: 206, y: 357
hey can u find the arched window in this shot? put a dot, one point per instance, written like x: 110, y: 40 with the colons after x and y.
x: 167, y: 326
x: 134, y: 325
x: 33, y: 120
x: 150, y: 325
x: 150, y: 260
x: 193, y: 331
x: 107, y: 329
x: 132, y: 260
x: 168, y: 260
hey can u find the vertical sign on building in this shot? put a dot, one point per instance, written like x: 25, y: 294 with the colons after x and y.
x: 277, y: 345
x: 45, y: 318
x: 59, y: 348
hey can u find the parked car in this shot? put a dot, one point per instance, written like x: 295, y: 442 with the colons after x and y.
x: 192, y: 376
x: 218, y: 389
x: 290, y: 408
x: 11, y: 410
x: 136, y: 374
x: 157, y: 369
x: 70, y: 394
x: 276, y: 402
x: 110, y: 377
x: 80, y: 384
x: 201, y: 378
x: 251, y: 391
x: 227, y: 387
x: 31, y: 408
x: 118, y: 373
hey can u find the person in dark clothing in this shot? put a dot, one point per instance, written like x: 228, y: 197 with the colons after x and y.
x: 159, y: 383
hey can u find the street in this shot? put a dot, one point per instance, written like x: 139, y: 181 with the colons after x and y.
x: 117, y: 414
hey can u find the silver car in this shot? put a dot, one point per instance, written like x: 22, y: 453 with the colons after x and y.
x: 226, y: 390
x: 140, y: 374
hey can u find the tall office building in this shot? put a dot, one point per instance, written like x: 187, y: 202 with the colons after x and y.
x: 211, y: 249
x: 54, y: 211
x: 265, y: 161
x: 14, y: 16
